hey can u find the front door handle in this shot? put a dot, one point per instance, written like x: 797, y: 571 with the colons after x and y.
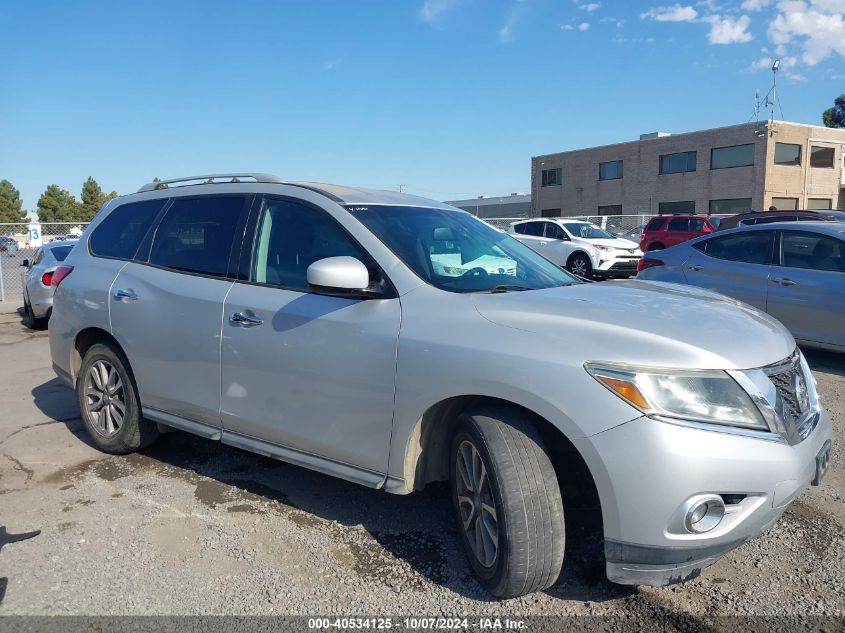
x: 784, y: 281
x: 695, y: 268
x: 246, y: 319
x: 128, y: 295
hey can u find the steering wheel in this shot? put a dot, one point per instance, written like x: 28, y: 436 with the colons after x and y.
x: 475, y: 272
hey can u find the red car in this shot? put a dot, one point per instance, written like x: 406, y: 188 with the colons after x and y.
x: 663, y: 231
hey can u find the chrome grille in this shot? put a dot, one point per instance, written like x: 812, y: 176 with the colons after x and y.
x: 793, y: 397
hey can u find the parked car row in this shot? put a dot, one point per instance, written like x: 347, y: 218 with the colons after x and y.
x: 794, y: 271
x: 396, y: 341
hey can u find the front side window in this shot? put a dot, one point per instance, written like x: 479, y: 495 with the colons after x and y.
x: 734, y: 156
x: 812, y: 251
x: 750, y: 248
x: 554, y: 231
x: 682, y: 206
x: 678, y: 224
x: 787, y: 154
x: 678, y: 163
x: 822, y: 156
x: 291, y: 237
x: 456, y: 252
x: 551, y: 177
x: 197, y: 235
x: 611, y: 170
x: 730, y: 206
x: 121, y: 232
x: 820, y: 204
x: 587, y: 231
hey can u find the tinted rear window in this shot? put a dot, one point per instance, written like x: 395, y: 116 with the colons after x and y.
x: 654, y: 224
x: 196, y: 235
x: 679, y: 225
x: 750, y: 248
x: 120, y: 234
x: 61, y: 252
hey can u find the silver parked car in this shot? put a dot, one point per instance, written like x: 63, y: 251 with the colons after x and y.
x: 37, y: 278
x: 795, y: 271
x: 344, y: 330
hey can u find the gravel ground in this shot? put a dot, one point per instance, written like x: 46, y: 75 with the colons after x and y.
x: 194, y: 527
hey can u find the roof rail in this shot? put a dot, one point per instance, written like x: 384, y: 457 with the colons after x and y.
x: 209, y: 179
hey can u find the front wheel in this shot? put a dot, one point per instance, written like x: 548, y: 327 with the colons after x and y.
x: 580, y: 265
x: 507, y: 502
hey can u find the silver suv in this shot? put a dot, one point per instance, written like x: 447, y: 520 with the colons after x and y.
x: 395, y: 341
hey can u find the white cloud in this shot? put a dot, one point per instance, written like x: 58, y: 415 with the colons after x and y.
x: 590, y: 6
x: 728, y: 30
x: 567, y: 27
x: 755, y: 5
x: 506, y: 33
x: 583, y: 26
x: 432, y: 9
x: 815, y: 28
x: 674, y: 13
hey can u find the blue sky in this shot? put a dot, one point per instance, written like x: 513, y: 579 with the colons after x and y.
x: 448, y: 97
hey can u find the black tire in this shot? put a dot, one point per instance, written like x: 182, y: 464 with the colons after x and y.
x: 134, y: 432
x: 579, y: 261
x: 525, y: 493
x: 656, y: 247
x: 30, y: 320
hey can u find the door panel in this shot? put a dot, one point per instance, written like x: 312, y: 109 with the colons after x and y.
x: 317, y: 375
x: 171, y: 336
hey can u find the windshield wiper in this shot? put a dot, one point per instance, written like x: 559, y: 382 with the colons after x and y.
x: 508, y: 288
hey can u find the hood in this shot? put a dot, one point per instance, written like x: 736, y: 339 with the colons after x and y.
x: 644, y: 323
x: 615, y: 242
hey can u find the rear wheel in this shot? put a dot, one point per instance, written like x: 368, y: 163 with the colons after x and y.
x: 30, y: 320
x: 579, y: 264
x: 108, y: 400
x: 507, y: 502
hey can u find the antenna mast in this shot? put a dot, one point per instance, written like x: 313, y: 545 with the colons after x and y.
x: 771, y: 103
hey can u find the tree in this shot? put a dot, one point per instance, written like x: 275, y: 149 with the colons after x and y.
x: 57, y: 205
x: 835, y: 116
x: 93, y: 199
x: 10, y: 203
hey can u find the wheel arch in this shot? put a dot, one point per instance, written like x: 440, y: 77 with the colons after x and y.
x: 83, y: 341
x: 426, y: 458
x: 579, y: 251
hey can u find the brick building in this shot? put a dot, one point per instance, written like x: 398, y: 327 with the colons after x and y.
x: 724, y: 170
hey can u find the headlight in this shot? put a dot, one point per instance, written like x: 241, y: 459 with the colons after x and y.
x: 711, y: 396
x: 604, y: 248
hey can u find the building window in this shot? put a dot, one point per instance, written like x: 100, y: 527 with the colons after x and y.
x: 733, y: 156
x: 821, y: 156
x: 684, y: 206
x: 678, y: 163
x: 551, y: 177
x: 611, y: 170
x: 550, y: 213
x: 785, y: 204
x: 730, y: 206
x: 611, y: 209
x: 787, y: 154
x: 820, y: 204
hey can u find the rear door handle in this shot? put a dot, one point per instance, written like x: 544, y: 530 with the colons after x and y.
x: 128, y: 295
x: 246, y: 319
x: 784, y: 281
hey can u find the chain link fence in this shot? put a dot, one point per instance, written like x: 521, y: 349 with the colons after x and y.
x: 18, y: 242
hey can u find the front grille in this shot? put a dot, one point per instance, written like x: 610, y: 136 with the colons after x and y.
x: 625, y: 265
x: 793, y: 396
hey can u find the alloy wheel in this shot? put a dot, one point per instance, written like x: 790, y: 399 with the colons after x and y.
x: 579, y: 266
x: 105, y: 399
x: 476, y: 504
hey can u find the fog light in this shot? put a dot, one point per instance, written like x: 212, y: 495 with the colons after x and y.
x: 704, y: 514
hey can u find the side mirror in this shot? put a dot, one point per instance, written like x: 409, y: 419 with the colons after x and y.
x: 25, y: 263
x: 342, y: 274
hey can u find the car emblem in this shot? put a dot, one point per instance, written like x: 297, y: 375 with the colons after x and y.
x: 801, y: 394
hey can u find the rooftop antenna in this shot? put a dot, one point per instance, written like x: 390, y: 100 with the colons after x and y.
x: 770, y: 103
x: 757, y: 105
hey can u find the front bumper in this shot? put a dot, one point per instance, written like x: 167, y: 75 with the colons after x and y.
x: 617, y: 266
x: 646, y: 470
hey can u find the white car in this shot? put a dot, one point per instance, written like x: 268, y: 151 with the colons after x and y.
x: 582, y: 248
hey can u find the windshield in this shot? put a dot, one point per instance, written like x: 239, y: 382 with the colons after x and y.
x: 454, y: 251
x: 60, y: 252
x: 587, y: 231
